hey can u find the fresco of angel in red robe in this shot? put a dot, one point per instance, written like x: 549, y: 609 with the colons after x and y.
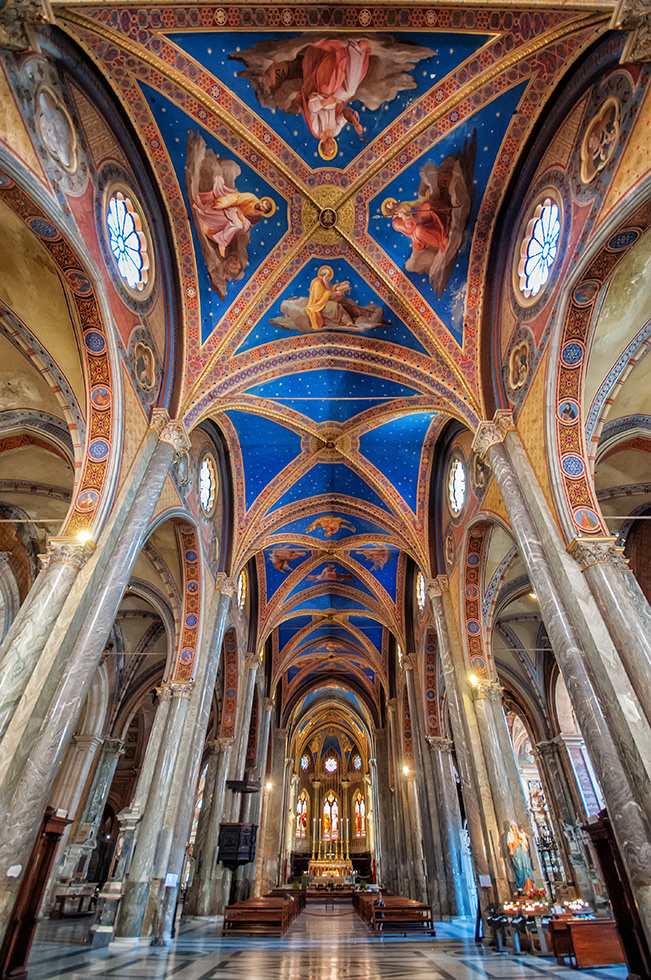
x: 329, y: 524
x: 436, y: 220
x: 223, y: 215
x: 319, y: 75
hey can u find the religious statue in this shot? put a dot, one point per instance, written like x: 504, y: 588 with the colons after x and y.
x: 328, y: 307
x: 517, y: 842
x: 436, y: 220
x: 319, y: 75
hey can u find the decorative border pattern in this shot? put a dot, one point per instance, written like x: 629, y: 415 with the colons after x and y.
x: 229, y: 706
x: 189, y: 547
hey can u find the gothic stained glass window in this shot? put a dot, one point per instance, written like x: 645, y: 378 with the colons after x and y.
x: 301, y: 816
x: 457, y: 486
x: 539, y: 248
x: 127, y: 241
x: 305, y: 762
x: 241, y: 590
x: 331, y: 765
x: 420, y: 591
x: 360, y: 817
x: 331, y: 817
x: 357, y: 763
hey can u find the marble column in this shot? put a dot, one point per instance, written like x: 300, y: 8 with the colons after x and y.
x: 487, y: 856
x: 85, y: 841
x: 432, y: 851
x: 403, y: 871
x: 503, y: 776
x: 609, y: 716
x: 29, y: 765
x: 206, y: 885
x: 285, y: 840
x: 23, y: 644
x: 273, y: 843
x: 623, y: 607
x: 385, y: 824
x: 212, y: 755
x: 446, y: 800
x: 133, y: 906
x: 252, y: 805
x: 316, y: 806
x: 179, y: 812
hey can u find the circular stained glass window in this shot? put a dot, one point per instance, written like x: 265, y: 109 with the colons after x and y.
x: 241, y: 590
x: 129, y: 242
x: 420, y: 591
x: 357, y: 763
x: 539, y: 248
x: 457, y: 486
x: 208, y: 484
x: 331, y: 765
x: 304, y: 762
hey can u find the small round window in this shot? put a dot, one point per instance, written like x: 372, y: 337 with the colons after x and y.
x: 129, y: 242
x: 241, y: 590
x: 208, y: 484
x: 420, y: 591
x: 305, y: 762
x: 331, y: 765
x: 457, y: 486
x: 357, y: 763
x: 539, y: 249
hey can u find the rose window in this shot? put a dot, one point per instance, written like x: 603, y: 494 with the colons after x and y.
x: 128, y: 241
x: 539, y: 248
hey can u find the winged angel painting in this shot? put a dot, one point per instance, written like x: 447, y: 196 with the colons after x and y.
x: 319, y: 75
x: 223, y: 216
x: 436, y: 221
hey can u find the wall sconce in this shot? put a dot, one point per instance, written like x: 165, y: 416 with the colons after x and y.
x: 84, y: 536
x: 473, y: 680
x: 405, y: 770
x: 268, y: 787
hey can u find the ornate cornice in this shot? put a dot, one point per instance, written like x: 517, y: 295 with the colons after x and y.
x: 597, y: 551
x: 67, y: 551
x: 634, y: 16
x: 487, y: 691
x: 491, y: 433
x: 440, y: 744
x: 17, y: 20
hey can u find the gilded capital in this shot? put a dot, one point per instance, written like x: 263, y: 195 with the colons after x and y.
x: 182, y: 689
x: 164, y: 693
x: 634, y: 16
x: 491, y: 433
x: 488, y: 691
x: 67, y: 551
x: 597, y: 551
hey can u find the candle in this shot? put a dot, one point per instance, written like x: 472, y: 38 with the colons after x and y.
x: 319, y: 828
x: 314, y: 828
x: 347, y: 829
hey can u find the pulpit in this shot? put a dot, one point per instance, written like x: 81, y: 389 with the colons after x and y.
x: 237, y: 843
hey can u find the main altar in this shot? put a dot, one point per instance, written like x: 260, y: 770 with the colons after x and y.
x: 332, y: 860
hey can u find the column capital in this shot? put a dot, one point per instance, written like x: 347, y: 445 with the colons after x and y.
x: 87, y: 742
x: 252, y: 660
x: 392, y: 704
x: 634, y: 16
x: 267, y: 704
x: 225, y: 742
x: 316, y: 782
x: 170, y: 430
x: 410, y: 661
x: 163, y: 693
x: 437, y: 586
x: 16, y: 23
x: 113, y: 746
x: 345, y: 783
x: 440, y: 744
x: 597, y: 551
x: 487, y: 691
x: 67, y: 551
x: 491, y: 433
x: 379, y: 733
x: 547, y: 748
x: 182, y: 689
x: 281, y: 733
x: 227, y: 586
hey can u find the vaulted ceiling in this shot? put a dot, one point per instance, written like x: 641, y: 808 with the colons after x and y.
x: 333, y: 175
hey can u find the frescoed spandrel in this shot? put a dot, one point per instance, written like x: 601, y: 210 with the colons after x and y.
x: 281, y: 556
x: 330, y: 574
x: 436, y: 221
x: 328, y: 307
x: 223, y: 216
x: 377, y: 554
x: 319, y: 75
x: 329, y: 524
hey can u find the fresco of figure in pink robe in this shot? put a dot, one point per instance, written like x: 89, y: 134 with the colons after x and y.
x: 223, y: 215
x: 319, y: 75
x: 436, y: 220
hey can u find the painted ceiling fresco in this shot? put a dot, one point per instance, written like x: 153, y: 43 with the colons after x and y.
x: 332, y: 176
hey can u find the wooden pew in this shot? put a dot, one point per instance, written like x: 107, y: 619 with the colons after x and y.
x: 266, y: 916
x: 397, y: 913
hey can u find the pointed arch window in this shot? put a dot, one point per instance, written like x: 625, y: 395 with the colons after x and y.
x: 360, y: 817
x: 301, y: 816
x: 331, y: 817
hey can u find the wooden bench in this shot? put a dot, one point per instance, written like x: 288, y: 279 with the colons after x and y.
x: 397, y: 913
x: 589, y: 942
x: 297, y: 896
x: 259, y: 917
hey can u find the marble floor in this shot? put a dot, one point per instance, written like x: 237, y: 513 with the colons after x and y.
x: 320, y: 945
